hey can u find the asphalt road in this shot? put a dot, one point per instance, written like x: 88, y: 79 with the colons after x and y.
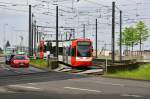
x: 6, y: 70
x: 20, y: 83
x: 54, y: 85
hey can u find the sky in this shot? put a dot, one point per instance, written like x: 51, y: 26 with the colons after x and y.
x: 14, y: 18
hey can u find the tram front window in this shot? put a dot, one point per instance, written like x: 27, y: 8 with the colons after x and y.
x: 83, y: 49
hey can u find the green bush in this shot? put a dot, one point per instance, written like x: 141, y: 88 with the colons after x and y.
x: 143, y: 72
x: 43, y: 64
x: 39, y: 63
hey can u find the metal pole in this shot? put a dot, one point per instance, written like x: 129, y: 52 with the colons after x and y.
x: 30, y: 31
x: 39, y: 36
x: 96, y: 38
x: 113, y: 32
x: 32, y: 35
x: 35, y: 36
x: 84, y: 31
x: 73, y: 33
x: 66, y: 36
x: 57, y: 32
x: 4, y: 38
x: 120, y: 36
x: 106, y: 65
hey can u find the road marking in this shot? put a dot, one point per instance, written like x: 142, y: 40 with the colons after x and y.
x: 90, y: 71
x: 7, y: 68
x: 27, y: 87
x: 117, y: 84
x: 83, y: 89
x: 106, y: 83
x: 31, y: 83
x: 128, y: 95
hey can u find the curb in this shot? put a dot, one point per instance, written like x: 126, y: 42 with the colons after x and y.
x: 125, y: 78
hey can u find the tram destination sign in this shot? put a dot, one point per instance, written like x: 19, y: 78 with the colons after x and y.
x: 84, y: 43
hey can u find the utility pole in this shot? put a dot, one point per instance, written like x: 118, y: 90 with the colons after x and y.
x: 35, y: 32
x: 96, y: 38
x: 57, y: 32
x: 66, y: 36
x: 73, y: 30
x: 21, y: 42
x: 73, y: 33
x: 113, y: 32
x: 84, y: 31
x: 38, y: 34
x: 120, y: 36
x: 30, y: 32
x: 5, y: 37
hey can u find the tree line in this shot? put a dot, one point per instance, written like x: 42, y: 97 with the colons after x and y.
x: 135, y: 35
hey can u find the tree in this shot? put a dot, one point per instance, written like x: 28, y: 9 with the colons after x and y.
x: 142, y: 32
x: 135, y: 35
x: 7, y: 44
x: 130, y: 37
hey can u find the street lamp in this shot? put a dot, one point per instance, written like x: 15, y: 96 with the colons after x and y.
x: 21, y: 42
x: 4, y: 26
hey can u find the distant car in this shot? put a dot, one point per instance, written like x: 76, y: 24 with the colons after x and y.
x: 20, y: 61
x: 8, y: 59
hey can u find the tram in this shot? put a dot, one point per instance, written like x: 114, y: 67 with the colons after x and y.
x: 77, y: 53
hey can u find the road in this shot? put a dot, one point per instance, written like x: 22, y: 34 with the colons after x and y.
x: 6, y: 70
x: 41, y: 84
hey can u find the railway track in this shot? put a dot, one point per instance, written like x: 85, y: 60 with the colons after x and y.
x: 93, y: 70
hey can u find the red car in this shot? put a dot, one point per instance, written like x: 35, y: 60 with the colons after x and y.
x: 20, y: 61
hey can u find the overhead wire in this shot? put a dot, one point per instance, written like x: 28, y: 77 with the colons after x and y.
x: 14, y: 9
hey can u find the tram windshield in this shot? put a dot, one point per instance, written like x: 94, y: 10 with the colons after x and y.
x: 83, y: 49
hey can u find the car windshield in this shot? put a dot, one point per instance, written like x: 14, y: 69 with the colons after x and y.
x: 20, y: 57
x: 84, y: 51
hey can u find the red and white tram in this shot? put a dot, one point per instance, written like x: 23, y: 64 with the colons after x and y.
x: 77, y: 53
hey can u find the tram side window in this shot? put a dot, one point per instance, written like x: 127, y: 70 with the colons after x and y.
x: 73, y: 52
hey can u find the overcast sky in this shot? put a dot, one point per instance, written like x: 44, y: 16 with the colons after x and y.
x: 14, y: 17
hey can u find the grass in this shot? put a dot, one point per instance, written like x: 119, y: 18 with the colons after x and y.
x: 39, y: 63
x: 143, y: 72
